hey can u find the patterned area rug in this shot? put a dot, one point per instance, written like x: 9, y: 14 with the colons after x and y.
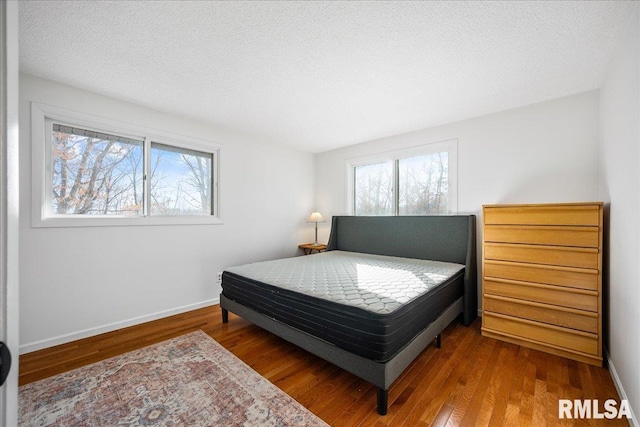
x: 186, y: 381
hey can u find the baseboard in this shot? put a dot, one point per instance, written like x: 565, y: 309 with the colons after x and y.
x: 86, y: 333
x: 616, y: 381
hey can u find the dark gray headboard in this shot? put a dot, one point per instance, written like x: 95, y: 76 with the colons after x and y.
x: 450, y: 238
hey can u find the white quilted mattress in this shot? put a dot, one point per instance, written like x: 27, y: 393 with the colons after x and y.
x: 376, y: 283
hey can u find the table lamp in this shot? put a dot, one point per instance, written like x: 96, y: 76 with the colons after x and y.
x: 316, y: 217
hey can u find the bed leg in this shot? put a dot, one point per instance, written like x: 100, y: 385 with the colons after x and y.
x: 225, y: 315
x: 383, y: 397
x: 438, y: 340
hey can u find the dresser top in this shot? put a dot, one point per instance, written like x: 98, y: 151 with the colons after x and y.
x: 516, y: 205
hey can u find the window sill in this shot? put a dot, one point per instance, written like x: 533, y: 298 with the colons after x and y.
x: 122, y: 221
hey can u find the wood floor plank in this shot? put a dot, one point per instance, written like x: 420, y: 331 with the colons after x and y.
x: 482, y: 393
x: 456, y: 395
x: 528, y: 390
x: 436, y: 394
x: 472, y: 380
x: 491, y: 396
x: 332, y: 398
x: 323, y: 388
x: 476, y: 385
x: 539, y: 418
x: 502, y: 394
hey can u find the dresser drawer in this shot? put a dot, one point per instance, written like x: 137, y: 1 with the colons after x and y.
x: 586, y: 237
x: 545, y: 294
x: 535, y: 331
x: 538, y: 254
x: 586, y: 321
x: 543, y: 215
x: 552, y: 275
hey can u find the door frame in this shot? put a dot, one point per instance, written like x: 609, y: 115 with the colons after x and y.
x: 9, y: 204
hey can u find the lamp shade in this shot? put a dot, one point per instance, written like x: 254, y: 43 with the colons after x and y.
x: 316, y: 217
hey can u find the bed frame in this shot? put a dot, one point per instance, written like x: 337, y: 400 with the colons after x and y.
x: 440, y: 238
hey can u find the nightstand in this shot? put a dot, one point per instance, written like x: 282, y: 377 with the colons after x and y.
x: 308, y: 248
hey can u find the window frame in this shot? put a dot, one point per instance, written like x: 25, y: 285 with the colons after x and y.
x: 42, y: 117
x: 449, y: 146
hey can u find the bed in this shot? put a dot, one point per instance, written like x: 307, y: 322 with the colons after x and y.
x: 382, y: 292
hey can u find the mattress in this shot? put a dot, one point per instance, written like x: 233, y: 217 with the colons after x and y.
x: 370, y: 305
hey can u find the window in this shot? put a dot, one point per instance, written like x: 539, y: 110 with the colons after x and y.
x: 180, y: 181
x: 417, y: 181
x: 423, y: 184
x: 374, y: 189
x: 92, y: 171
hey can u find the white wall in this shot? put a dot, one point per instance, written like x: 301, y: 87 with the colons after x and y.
x: 76, y: 282
x: 544, y: 152
x: 620, y: 186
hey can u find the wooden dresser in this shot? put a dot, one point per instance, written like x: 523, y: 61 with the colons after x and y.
x: 542, y: 277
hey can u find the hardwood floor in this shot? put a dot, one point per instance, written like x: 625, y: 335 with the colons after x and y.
x: 61, y: 358
x: 470, y: 381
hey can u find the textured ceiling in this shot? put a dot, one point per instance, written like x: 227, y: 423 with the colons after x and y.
x: 321, y: 75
